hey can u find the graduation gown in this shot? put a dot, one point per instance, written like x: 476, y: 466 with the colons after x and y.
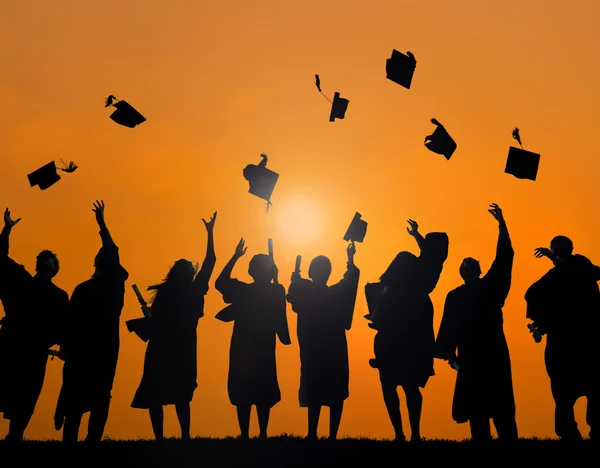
x: 405, y: 341
x: 92, y: 339
x: 259, y: 315
x: 170, y: 364
x: 324, y: 315
x: 472, y: 327
x: 565, y: 303
x: 34, y: 315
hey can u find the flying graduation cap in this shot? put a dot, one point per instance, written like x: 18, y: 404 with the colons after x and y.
x: 357, y: 230
x: 262, y: 180
x: 400, y: 68
x: 339, y: 105
x: 440, y: 141
x: 521, y: 163
x: 125, y: 114
x: 48, y: 175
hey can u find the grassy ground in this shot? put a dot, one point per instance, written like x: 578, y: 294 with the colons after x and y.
x: 288, y: 451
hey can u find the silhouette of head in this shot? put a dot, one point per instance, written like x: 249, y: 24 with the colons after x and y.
x: 259, y: 268
x: 320, y: 270
x: 470, y: 269
x: 182, y: 271
x: 47, y: 264
x: 100, y: 260
x: 401, y: 269
x: 561, y: 246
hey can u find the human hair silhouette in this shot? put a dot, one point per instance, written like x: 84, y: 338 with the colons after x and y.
x: 401, y: 311
x: 472, y: 326
x: 324, y: 314
x: 34, y: 309
x: 91, y: 341
x: 170, y: 364
x: 258, y: 310
x: 564, y: 306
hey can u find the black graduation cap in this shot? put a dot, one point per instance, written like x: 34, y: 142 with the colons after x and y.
x: 440, y: 141
x: 125, y: 114
x: 339, y: 105
x: 262, y: 180
x: 47, y: 175
x: 521, y: 163
x: 357, y: 230
x: 400, y: 68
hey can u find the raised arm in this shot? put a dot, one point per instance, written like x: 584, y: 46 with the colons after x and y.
x: 413, y: 230
x: 9, y: 223
x: 500, y: 272
x: 208, y: 265
x: 107, y: 241
x: 224, y: 280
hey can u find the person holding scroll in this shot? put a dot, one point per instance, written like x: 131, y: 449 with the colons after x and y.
x: 170, y: 365
x: 91, y: 342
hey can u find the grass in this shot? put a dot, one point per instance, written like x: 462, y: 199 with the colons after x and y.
x: 291, y: 451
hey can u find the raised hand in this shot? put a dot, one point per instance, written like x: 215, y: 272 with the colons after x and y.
x: 8, y: 221
x: 351, y: 250
x: 210, y: 224
x: 241, y: 248
x: 413, y: 230
x: 99, y: 210
x: 543, y: 252
x: 496, y: 212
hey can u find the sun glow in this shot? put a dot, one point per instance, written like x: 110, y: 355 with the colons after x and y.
x: 299, y: 221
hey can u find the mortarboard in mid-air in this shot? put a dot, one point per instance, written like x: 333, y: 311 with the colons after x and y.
x: 339, y: 105
x: 47, y: 175
x: 357, y: 230
x: 400, y: 68
x: 125, y: 114
x: 521, y: 163
x: 440, y: 141
x: 262, y: 180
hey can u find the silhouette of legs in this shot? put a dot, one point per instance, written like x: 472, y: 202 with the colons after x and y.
x: 156, y: 418
x: 506, y: 427
x: 414, y: 404
x: 335, y: 417
x: 481, y: 430
x: 71, y: 427
x: 184, y: 417
x: 243, y: 414
x: 263, y: 413
x: 565, y: 425
x: 392, y: 404
x: 97, y: 421
x: 313, y: 421
x: 17, y: 426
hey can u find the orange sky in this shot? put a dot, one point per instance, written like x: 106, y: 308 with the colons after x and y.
x: 222, y: 81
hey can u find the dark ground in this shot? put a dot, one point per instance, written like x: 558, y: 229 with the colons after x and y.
x: 288, y: 451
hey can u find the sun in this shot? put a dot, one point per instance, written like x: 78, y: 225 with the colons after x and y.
x: 299, y: 221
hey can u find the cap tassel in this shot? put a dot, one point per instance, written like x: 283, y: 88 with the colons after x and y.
x: 516, y: 136
x: 318, y: 83
x: 68, y: 167
x: 109, y: 101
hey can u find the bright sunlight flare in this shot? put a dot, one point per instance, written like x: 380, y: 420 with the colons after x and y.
x: 299, y: 220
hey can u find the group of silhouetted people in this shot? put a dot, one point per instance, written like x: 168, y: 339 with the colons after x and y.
x: 564, y: 305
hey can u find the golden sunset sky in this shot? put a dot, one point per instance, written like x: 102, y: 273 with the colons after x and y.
x: 222, y: 81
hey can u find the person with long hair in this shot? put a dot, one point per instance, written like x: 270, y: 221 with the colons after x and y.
x: 170, y: 365
x: 402, y: 314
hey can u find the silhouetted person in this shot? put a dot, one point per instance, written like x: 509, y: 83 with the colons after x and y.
x: 565, y: 306
x: 34, y: 309
x: 91, y: 342
x: 170, y: 365
x: 258, y: 310
x: 473, y: 324
x: 324, y: 315
x: 403, y: 316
